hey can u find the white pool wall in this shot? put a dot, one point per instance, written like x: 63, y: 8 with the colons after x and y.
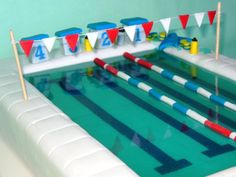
x: 46, y: 139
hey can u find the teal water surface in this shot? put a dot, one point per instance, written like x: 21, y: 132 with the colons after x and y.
x: 149, y: 136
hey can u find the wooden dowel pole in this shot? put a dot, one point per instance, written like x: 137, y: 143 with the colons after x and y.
x: 20, y: 73
x: 218, y: 30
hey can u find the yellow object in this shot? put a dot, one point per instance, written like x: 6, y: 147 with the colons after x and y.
x: 162, y: 36
x: 194, y: 47
x: 186, y: 45
x: 182, y: 42
x: 90, y: 71
x: 152, y: 36
x: 87, y: 45
x: 149, y: 39
x: 193, y: 71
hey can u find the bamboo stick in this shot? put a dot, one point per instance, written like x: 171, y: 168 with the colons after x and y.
x: 22, y: 82
x: 218, y: 30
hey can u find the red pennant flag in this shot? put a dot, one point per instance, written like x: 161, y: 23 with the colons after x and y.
x: 72, y: 40
x: 147, y: 27
x: 112, y: 34
x: 27, y: 46
x: 184, y: 20
x: 211, y: 16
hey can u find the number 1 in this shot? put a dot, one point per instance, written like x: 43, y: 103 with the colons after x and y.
x: 138, y: 35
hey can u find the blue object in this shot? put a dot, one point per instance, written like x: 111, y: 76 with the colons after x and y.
x: 101, y: 26
x: 217, y: 99
x: 68, y: 31
x: 133, y: 21
x: 167, y: 74
x: 172, y: 40
x: 180, y: 108
x: 39, y: 53
x: 36, y: 37
x: 156, y: 95
x: 133, y: 82
x: 191, y: 86
x: 105, y: 39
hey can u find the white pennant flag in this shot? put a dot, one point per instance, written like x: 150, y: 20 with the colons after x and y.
x: 49, y: 42
x: 199, y: 17
x: 166, y: 24
x: 130, y: 31
x: 92, y: 37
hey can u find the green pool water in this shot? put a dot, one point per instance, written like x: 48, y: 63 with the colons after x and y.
x: 149, y: 136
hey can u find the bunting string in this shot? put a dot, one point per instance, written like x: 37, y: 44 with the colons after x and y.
x: 113, y: 33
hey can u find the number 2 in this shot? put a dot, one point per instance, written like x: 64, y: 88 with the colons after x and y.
x: 106, y: 41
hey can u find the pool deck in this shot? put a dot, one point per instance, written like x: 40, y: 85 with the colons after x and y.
x: 224, y: 66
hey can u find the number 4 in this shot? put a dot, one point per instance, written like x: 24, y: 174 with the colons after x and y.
x: 39, y: 53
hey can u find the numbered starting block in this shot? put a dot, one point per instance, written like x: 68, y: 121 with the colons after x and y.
x: 38, y: 53
x: 103, y: 40
x: 63, y: 33
x: 138, y: 21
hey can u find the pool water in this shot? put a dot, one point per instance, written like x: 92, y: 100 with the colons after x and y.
x: 149, y: 136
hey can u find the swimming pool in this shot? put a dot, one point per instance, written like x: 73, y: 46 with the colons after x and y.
x: 149, y: 136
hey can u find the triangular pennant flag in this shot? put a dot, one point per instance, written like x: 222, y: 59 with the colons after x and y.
x: 49, y: 42
x: 92, y: 37
x: 112, y: 34
x: 27, y: 46
x: 130, y: 31
x: 147, y: 27
x: 72, y: 40
x: 184, y: 20
x: 199, y: 17
x: 166, y: 24
x: 211, y: 16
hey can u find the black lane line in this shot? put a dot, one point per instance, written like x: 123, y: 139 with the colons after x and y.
x: 168, y: 163
x: 214, y: 149
x: 200, y: 81
x: 186, y: 99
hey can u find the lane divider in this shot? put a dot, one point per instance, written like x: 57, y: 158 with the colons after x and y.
x: 175, y: 105
x: 186, y: 83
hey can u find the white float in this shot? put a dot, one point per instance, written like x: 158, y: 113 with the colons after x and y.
x: 231, y: 172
